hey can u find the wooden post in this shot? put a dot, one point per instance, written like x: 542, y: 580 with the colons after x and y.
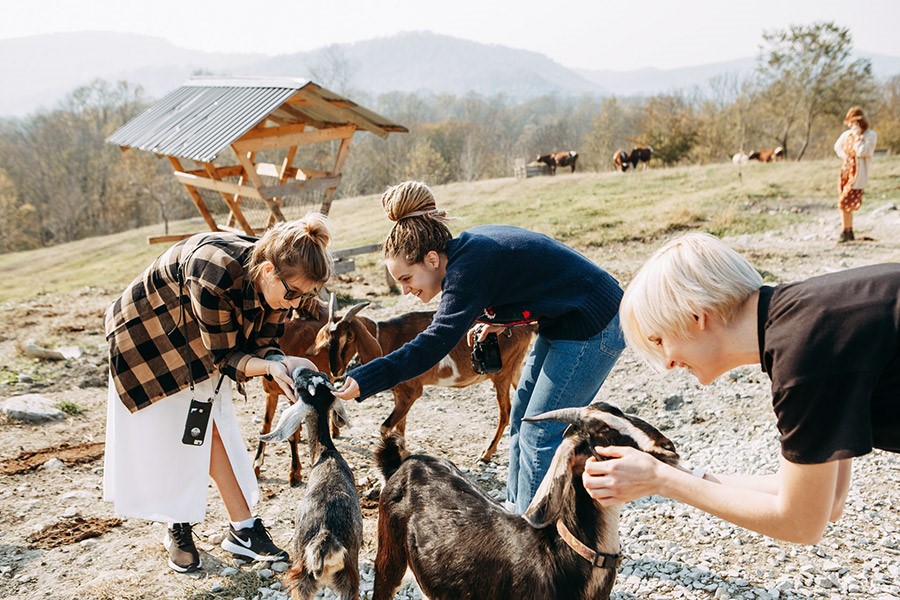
x: 246, y: 160
x: 230, y: 200
x: 195, y: 196
x: 342, y: 152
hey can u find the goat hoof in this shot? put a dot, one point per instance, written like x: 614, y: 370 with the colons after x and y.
x: 296, y: 482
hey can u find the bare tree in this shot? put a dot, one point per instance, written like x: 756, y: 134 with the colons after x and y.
x: 806, y: 72
x: 333, y: 69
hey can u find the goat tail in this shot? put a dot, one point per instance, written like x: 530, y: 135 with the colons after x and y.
x: 391, y: 454
x: 295, y: 576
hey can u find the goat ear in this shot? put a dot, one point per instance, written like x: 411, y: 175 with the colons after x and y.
x: 289, y: 422
x: 555, y: 490
x: 339, y: 414
x: 367, y: 346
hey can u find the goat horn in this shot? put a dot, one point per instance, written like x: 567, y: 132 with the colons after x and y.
x: 351, y: 312
x: 332, y: 306
x: 290, y: 420
x: 567, y: 415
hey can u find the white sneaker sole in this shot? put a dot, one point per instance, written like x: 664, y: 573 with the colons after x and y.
x: 239, y: 550
x: 178, y: 568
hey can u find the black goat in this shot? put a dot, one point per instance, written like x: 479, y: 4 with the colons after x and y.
x: 460, y: 543
x: 328, y: 528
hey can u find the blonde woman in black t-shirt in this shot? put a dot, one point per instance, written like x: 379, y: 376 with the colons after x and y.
x: 830, y: 346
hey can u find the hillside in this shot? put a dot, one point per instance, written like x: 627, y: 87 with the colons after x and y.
x: 598, y: 213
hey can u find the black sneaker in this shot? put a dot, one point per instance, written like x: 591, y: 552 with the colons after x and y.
x: 179, y: 543
x: 253, y: 542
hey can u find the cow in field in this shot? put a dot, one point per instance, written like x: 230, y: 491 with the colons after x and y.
x: 640, y: 155
x: 767, y: 155
x: 621, y: 160
x: 559, y: 159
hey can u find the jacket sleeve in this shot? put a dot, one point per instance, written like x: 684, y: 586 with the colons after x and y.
x: 865, y: 147
x: 453, y: 318
x: 219, y: 331
x: 839, y: 145
x: 269, y: 334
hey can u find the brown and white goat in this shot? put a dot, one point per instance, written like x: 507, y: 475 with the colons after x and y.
x: 298, y: 340
x: 353, y: 335
x: 460, y: 543
x: 328, y: 528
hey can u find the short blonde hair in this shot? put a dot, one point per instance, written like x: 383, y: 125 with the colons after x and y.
x: 296, y: 248
x: 693, y: 274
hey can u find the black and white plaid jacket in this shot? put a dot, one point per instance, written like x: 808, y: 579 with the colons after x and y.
x: 227, y: 320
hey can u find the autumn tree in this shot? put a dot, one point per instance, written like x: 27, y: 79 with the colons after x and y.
x: 806, y: 73
x: 669, y: 126
x: 887, y: 115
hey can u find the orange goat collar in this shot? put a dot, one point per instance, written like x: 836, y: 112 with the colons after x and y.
x: 597, y: 559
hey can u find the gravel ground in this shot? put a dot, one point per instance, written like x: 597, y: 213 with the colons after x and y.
x: 672, y: 550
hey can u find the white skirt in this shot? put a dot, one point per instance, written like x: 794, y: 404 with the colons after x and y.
x: 150, y: 474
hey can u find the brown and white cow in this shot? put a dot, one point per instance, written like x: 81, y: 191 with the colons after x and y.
x: 621, y: 160
x: 767, y: 155
x: 559, y: 159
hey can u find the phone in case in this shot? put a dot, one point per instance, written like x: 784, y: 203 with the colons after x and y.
x: 196, y: 423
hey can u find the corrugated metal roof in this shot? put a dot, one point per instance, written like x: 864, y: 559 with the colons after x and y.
x: 207, y: 114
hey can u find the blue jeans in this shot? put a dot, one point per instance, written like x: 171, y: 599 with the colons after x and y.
x: 557, y: 374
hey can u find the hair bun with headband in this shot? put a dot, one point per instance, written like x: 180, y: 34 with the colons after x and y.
x: 410, y: 199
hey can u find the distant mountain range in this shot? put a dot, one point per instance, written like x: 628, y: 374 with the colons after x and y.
x: 39, y: 71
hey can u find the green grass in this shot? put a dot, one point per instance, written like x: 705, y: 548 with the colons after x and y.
x: 70, y: 408
x: 585, y: 210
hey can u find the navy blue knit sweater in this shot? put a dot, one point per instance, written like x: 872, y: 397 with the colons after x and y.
x: 503, y: 275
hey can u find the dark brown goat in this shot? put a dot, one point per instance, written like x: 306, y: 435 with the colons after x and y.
x: 298, y: 340
x: 460, y: 543
x: 355, y: 335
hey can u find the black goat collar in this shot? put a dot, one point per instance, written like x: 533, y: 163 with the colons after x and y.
x: 603, y: 560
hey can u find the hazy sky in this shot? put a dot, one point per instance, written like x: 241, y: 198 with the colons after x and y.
x: 589, y: 34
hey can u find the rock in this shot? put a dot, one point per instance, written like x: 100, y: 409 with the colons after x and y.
x: 62, y: 353
x: 33, y: 408
x: 674, y: 402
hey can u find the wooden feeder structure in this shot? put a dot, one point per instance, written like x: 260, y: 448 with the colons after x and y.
x: 261, y: 125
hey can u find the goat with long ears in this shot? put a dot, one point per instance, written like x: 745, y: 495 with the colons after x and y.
x: 356, y: 335
x: 460, y: 543
x: 328, y: 526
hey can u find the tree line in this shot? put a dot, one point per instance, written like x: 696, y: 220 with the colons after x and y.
x: 60, y: 182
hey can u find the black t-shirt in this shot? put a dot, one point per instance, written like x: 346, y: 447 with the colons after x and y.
x: 831, y: 346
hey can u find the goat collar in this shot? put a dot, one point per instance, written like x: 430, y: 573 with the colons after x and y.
x: 603, y: 560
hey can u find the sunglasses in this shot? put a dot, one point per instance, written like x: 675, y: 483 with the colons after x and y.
x: 292, y: 294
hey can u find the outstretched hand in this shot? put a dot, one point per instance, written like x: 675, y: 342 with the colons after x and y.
x: 282, y: 373
x: 626, y: 475
x: 349, y: 390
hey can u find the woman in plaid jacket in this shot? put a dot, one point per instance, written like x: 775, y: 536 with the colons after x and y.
x: 212, y: 306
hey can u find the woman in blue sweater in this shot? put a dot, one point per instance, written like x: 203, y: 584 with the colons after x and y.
x: 494, y: 277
